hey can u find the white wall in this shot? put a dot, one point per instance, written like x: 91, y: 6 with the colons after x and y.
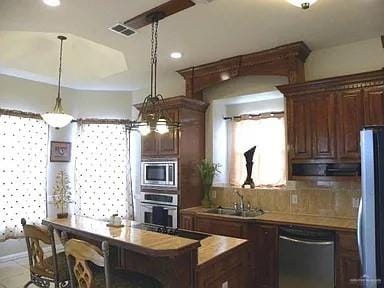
x: 25, y: 95
x: 357, y: 57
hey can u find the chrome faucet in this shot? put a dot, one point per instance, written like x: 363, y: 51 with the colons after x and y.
x: 241, y: 200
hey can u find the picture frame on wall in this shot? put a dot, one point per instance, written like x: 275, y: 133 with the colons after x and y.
x: 60, y: 151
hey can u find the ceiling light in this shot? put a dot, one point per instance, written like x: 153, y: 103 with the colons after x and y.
x: 305, y: 4
x: 151, y: 116
x: 176, y: 55
x: 58, y: 118
x: 52, y: 3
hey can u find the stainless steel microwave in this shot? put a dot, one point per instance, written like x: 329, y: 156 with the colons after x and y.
x: 159, y: 173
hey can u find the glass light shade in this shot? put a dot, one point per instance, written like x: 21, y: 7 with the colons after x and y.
x: 161, y: 126
x: 52, y: 3
x: 144, y: 129
x: 302, y: 3
x: 57, y: 120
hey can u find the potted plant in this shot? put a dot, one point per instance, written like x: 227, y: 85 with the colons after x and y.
x: 207, y: 170
x: 62, y: 193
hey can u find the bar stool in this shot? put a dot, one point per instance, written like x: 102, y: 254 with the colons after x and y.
x: 44, y: 270
x: 85, y: 262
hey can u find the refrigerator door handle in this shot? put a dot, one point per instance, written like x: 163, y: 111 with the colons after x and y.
x: 359, y: 230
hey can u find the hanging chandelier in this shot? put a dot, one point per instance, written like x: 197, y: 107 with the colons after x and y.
x: 304, y: 4
x: 58, y: 118
x: 152, y: 116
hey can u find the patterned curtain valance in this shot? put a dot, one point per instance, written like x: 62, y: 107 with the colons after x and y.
x: 18, y: 113
x: 104, y: 121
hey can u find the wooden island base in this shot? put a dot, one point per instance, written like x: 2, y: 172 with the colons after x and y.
x: 214, y: 262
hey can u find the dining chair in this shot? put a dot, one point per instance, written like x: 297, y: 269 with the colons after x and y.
x: 44, y: 269
x: 89, y: 267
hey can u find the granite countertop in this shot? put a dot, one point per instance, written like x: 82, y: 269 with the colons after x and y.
x: 147, y: 242
x: 334, y: 223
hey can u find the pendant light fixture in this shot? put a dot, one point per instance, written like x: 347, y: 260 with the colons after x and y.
x: 304, y: 4
x: 152, y: 116
x: 58, y: 118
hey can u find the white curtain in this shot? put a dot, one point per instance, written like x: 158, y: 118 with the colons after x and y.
x: 268, y: 135
x: 102, y: 172
x: 23, y: 171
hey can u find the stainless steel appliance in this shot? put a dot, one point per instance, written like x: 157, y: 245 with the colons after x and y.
x: 371, y: 211
x: 158, y: 208
x: 159, y: 173
x: 306, y: 258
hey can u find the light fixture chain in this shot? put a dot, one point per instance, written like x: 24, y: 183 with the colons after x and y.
x: 60, y: 67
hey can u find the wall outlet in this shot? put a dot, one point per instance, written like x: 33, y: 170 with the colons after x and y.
x: 213, y: 194
x: 224, y: 285
x: 294, y: 199
x: 355, y: 202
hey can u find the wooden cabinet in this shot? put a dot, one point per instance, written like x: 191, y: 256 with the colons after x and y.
x: 374, y: 106
x: 225, y: 227
x: 187, y: 222
x: 186, y: 144
x: 350, y: 121
x: 324, y: 118
x: 159, y: 145
x: 149, y: 145
x: 264, y: 241
x: 323, y: 126
x: 348, y: 263
x: 299, y: 127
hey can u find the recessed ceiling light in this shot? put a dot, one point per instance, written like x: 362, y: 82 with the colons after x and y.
x: 305, y: 4
x: 52, y: 3
x: 176, y: 55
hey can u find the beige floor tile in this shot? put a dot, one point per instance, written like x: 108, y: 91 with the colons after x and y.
x: 11, y: 268
x: 23, y: 262
x: 17, y: 281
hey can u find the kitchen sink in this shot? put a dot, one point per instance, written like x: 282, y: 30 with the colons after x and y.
x: 233, y: 212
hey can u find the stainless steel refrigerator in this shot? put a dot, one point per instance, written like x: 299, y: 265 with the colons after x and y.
x: 371, y: 211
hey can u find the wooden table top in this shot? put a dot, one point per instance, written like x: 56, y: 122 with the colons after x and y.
x: 146, y: 242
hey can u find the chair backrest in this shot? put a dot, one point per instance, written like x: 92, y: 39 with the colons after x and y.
x: 83, y: 252
x: 34, y: 235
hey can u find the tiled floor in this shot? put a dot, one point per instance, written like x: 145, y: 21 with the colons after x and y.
x: 14, y: 274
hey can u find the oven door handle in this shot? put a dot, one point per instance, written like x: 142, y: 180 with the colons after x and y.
x: 165, y: 207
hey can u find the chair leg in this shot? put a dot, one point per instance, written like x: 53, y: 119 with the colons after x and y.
x: 28, y: 283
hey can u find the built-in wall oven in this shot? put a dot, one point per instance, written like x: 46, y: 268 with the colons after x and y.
x: 159, y: 209
x: 159, y: 173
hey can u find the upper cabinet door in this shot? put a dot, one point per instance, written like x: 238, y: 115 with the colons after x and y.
x: 374, y: 106
x: 323, y: 125
x: 169, y: 142
x: 299, y: 127
x: 149, y: 145
x: 350, y: 121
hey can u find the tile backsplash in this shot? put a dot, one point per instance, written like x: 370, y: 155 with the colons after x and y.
x: 336, y: 199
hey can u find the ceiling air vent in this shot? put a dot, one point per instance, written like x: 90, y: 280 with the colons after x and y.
x: 122, y: 30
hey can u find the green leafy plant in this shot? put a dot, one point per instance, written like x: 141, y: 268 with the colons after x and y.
x: 61, y: 191
x: 208, y: 171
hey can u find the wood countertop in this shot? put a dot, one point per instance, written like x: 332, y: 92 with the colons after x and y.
x: 333, y: 223
x: 215, y: 246
x: 145, y: 242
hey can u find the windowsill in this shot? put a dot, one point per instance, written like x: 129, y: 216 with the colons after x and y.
x: 265, y: 187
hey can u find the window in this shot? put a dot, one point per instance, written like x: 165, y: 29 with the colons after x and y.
x: 101, y: 171
x: 23, y: 170
x: 268, y: 135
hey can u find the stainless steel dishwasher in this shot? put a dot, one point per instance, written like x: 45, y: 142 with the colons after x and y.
x: 306, y: 258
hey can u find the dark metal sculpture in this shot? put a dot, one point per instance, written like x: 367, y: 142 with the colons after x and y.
x: 248, y: 158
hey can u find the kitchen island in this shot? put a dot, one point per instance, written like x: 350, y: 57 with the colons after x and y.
x: 174, y: 261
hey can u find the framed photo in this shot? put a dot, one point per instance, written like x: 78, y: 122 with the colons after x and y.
x: 60, y: 151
